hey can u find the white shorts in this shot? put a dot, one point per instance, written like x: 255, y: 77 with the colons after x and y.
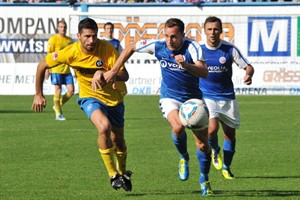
x: 227, y: 111
x: 166, y: 105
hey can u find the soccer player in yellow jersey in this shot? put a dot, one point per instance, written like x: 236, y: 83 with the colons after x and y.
x: 60, y: 75
x: 90, y: 57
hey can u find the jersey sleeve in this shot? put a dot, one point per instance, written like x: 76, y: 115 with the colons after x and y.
x: 196, y: 51
x: 146, y: 46
x: 59, y: 57
x: 239, y: 59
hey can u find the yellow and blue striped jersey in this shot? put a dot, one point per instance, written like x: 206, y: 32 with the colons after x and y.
x: 56, y: 43
x: 102, y: 58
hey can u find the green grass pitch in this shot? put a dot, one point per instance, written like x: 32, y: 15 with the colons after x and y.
x: 41, y: 158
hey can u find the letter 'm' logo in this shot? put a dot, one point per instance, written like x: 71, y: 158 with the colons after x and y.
x: 269, y: 36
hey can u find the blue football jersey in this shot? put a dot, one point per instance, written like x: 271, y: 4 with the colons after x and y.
x: 218, y: 85
x: 177, y: 83
x: 116, y: 43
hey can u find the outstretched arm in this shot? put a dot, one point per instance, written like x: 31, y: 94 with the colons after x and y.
x: 39, y: 101
x: 124, y: 56
x: 249, y: 73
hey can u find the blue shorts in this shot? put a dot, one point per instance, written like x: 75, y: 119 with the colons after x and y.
x: 115, y: 114
x: 62, y: 79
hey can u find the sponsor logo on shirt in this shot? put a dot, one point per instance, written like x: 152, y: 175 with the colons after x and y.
x: 217, y: 69
x: 171, y: 66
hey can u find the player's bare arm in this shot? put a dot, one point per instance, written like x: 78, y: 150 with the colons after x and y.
x: 124, y: 56
x: 249, y: 73
x: 198, y: 69
x: 39, y: 101
x: 98, y: 81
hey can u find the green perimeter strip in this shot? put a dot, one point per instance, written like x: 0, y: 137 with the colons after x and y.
x: 298, y: 37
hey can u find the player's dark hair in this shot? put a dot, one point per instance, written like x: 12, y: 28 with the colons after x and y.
x: 213, y: 19
x: 87, y: 23
x: 109, y: 24
x: 175, y: 22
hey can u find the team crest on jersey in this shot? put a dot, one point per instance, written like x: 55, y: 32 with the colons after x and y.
x: 54, y: 55
x: 222, y: 60
x: 99, y: 63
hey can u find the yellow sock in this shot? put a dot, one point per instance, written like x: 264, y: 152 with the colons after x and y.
x: 121, y: 161
x: 108, y: 159
x: 65, y: 98
x: 56, y: 101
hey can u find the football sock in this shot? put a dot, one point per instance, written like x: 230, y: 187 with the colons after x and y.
x: 204, y: 161
x: 203, y: 177
x: 56, y: 102
x: 213, y: 142
x: 65, y: 98
x: 181, y: 145
x: 121, y: 161
x: 229, y: 150
x: 108, y: 159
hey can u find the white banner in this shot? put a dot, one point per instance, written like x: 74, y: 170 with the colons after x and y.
x: 269, y: 38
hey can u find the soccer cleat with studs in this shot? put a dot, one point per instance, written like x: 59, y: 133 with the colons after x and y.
x: 127, y: 186
x: 216, y: 159
x: 206, y: 189
x: 117, y: 181
x: 60, y: 117
x: 183, y: 169
x: 227, y: 174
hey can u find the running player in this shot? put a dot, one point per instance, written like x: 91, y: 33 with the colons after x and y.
x: 218, y: 92
x: 181, y: 65
x: 104, y: 107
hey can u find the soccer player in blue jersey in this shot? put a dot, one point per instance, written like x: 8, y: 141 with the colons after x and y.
x: 108, y: 35
x: 181, y: 65
x: 218, y: 92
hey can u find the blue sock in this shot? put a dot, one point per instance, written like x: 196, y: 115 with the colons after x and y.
x: 204, y: 162
x: 213, y: 142
x: 181, y: 145
x: 229, y: 150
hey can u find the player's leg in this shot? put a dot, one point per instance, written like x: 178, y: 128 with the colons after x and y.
x: 213, y: 133
x: 228, y: 150
x: 116, y: 117
x: 204, y: 159
x: 169, y: 108
x: 57, y: 80
x: 97, y: 113
x: 230, y: 120
x: 56, y: 102
x: 69, y: 82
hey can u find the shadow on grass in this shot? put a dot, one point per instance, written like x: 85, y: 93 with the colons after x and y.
x: 258, y: 193
x: 269, y: 177
x: 222, y: 193
x: 16, y: 111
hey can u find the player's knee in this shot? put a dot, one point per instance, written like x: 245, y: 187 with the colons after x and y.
x: 177, y: 128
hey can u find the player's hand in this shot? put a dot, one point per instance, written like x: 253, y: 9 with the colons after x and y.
x: 39, y: 103
x: 180, y: 59
x: 98, y: 81
x: 247, y: 80
x: 110, y: 77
